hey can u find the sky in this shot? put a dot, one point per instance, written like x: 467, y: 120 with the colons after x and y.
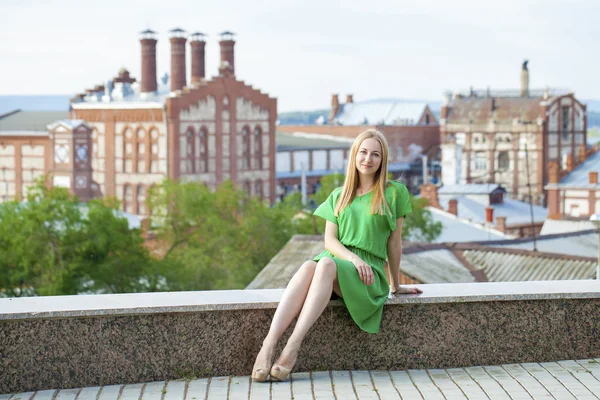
x: 302, y: 51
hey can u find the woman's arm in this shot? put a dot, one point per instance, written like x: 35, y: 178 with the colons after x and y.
x: 394, y: 248
x: 336, y: 248
x: 394, y: 253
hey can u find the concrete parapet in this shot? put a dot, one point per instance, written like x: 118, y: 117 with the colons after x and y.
x: 76, y: 341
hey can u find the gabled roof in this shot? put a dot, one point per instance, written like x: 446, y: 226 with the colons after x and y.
x: 459, y: 230
x: 381, y: 112
x: 31, y: 121
x: 70, y: 124
x: 470, y: 188
x: 579, y: 177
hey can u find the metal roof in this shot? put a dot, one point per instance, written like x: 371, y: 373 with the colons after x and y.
x: 470, y: 188
x: 31, y: 121
x: 386, y: 112
x: 68, y: 123
x: 306, y: 141
x: 579, y: 177
x: 515, y: 211
x: 584, y: 244
x: 553, y: 226
x: 500, y: 109
x: 515, y: 266
x: 458, y: 230
x: 435, y: 266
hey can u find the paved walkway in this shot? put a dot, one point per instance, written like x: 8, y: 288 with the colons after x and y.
x: 566, y: 380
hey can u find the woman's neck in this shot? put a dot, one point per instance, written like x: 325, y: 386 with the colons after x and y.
x: 364, y: 183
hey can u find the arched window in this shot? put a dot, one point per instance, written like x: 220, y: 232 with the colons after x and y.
x: 258, y: 189
x: 187, y: 151
x: 245, y: 148
x: 128, y: 149
x: 247, y: 188
x: 153, y: 139
x: 201, y: 151
x: 480, y: 161
x: 258, y: 148
x: 503, y: 161
x: 128, y: 198
x: 140, y: 150
x: 141, y: 200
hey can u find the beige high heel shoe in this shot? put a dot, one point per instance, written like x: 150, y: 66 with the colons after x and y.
x: 280, y: 373
x: 260, y: 375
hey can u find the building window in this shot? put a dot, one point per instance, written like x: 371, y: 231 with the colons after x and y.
x: 257, y: 148
x: 202, y: 151
x: 480, y: 161
x: 153, y: 167
x: 503, y: 161
x: 258, y: 188
x: 128, y: 198
x: 246, y: 148
x: 141, y: 200
x: 188, y: 154
x: 564, y: 120
x: 426, y: 119
x: 399, y: 153
x: 141, y: 150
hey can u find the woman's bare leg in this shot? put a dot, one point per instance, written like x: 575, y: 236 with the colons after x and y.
x: 316, y: 300
x: 288, y: 308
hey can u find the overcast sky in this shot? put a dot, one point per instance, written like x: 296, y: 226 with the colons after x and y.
x: 301, y: 51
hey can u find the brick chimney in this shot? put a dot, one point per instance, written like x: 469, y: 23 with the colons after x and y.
x: 335, y: 106
x: 453, y: 206
x: 429, y: 192
x: 524, y: 80
x: 489, y: 215
x: 349, y: 99
x: 178, y: 39
x: 593, y: 177
x: 227, y: 55
x: 570, y: 162
x: 581, y: 154
x: 501, y: 224
x: 553, y: 172
x: 197, y: 43
x: 148, y: 41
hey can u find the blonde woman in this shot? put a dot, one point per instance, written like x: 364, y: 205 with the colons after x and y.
x: 363, y: 228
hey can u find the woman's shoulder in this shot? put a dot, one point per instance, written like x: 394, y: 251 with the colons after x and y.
x: 396, y: 186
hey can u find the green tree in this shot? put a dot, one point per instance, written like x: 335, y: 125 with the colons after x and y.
x: 215, y: 240
x: 52, y: 244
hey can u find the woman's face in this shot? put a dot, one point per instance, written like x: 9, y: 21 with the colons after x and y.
x: 368, y: 157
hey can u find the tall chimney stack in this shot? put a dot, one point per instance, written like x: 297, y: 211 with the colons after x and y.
x: 148, y: 41
x: 227, y: 43
x: 349, y: 99
x: 197, y: 43
x: 524, y: 80
x: 178, y: 39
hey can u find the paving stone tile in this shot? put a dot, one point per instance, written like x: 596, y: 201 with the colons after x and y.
x: 342, y: 385
x: 175, y: 390
x: 260, y: 390
x: 301, y: 385
x: 405, y: 385
x: 424, y: 383
x: 363, y: 385
x: 88, y: 393
x: 132, y: 392
x: 384, y: 386
x: 110, y: 392
x: 239, y: 388
x: 154, y: 391
x: 572, y: 384
x: 322, y: 388
x: 281, y: 390
x: 582, y: 375
x: 196, y: 389
x: 219, y: 388
x: 466, y: 383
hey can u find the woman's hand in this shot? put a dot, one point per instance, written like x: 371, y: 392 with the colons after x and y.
x: 364, y: 270
x: 405, y: 290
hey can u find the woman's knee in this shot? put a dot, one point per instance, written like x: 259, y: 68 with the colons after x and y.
x: 326, y: 266
x: 308, y: 267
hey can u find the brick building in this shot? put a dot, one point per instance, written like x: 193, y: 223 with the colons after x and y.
x: 209, y: 130
x: 411, y: 130
x: 485, y: 134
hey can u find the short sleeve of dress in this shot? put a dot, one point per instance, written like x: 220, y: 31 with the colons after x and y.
x: 402, y: 201
x: 326, y: 210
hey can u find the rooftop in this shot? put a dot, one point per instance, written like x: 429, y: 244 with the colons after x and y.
x: 579, y: 177
x: 516, y: 212
x: 383, y: 112
x: 28, y: 122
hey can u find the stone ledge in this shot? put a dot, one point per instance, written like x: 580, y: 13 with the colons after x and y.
x: 221, y: 300
x: 77, y: 341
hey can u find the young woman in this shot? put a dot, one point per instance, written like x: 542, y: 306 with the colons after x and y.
x: 363, y: 228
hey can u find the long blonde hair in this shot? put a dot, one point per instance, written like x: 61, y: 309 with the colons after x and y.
x: 379, y: 204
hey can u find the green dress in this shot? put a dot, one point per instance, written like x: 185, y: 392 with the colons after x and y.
x: 366, y: 235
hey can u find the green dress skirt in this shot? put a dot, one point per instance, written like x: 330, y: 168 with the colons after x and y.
x: 366, y: 235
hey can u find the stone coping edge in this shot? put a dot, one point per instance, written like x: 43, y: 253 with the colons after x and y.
x: 50, y: 307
